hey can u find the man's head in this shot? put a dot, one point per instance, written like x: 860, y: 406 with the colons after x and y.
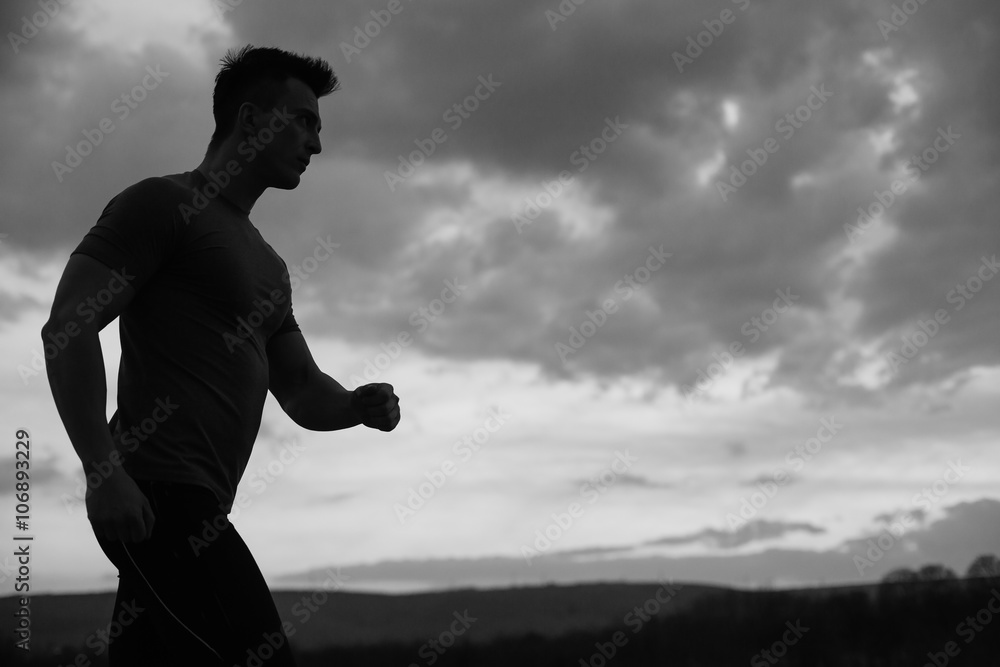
x: 253, y: 90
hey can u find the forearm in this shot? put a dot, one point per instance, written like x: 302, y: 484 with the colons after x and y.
x: 323, y: 405
x: 79, y: 387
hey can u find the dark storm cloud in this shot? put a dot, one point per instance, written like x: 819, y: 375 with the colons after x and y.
x: 728, y: 260
x: 557, y: 88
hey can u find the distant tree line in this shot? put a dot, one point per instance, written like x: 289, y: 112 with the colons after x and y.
x: 910, y: 619
x: 986, y: 565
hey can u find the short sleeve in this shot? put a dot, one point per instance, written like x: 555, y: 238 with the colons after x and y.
x: 288, y: 324
x: 138, y: 231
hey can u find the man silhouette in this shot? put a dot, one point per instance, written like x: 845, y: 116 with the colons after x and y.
x: 206, y: 330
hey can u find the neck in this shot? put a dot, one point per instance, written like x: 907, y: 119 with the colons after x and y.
x: 242, y: 190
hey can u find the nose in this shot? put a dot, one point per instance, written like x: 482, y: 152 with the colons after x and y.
x: 313, y: 145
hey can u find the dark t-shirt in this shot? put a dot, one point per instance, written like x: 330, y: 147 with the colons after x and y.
x: 210, y: 294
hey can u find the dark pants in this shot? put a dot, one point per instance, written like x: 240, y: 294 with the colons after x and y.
x: 191, y: 595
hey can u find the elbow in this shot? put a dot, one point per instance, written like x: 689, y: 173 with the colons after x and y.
x: 51, y: 324
x: 59, y: 330
x: 60, y: 319
x: 50, y: 331
x: 290, y: 406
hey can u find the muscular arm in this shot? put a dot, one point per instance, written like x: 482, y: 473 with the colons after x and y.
x: 76, y: 370
x: 313, y: 399
x: 116, y: 507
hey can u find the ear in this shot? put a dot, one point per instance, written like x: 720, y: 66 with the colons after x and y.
x: 247, y: 118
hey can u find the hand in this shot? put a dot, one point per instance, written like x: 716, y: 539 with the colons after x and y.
x: 376, y: 405
x: 118, y: 510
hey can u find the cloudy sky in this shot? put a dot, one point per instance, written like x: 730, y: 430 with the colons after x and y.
x: 708, y: 363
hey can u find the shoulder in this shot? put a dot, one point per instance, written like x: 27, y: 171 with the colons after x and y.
x: 154, y: 194
x: 151, y: 204
x: 158, y: 187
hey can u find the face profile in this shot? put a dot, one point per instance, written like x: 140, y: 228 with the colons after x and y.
x: 287, y: 136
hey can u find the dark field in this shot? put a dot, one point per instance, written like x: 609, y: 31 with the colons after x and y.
x: 911, y: 623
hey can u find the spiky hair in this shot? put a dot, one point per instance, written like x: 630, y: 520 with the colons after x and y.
x: 257, y: 75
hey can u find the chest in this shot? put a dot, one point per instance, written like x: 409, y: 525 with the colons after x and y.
x: 229, y: 269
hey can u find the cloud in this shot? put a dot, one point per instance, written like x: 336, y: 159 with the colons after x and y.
x: 753, y: 531
x: 962, y: 533
x: 887, y: 518
x: 728, y: 258
x: 965, y: 532
x: 765, y: 478
x: 595, y: 551
x: 333, y: 498
x: 628, y: 479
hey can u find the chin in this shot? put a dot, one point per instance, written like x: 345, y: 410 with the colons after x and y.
x: 286, y: 181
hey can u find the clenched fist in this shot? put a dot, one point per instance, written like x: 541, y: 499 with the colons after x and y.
x: 376, y: 405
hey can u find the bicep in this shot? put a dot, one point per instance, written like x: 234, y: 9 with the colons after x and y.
x: 290, y: 365
x: 90, y: 293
